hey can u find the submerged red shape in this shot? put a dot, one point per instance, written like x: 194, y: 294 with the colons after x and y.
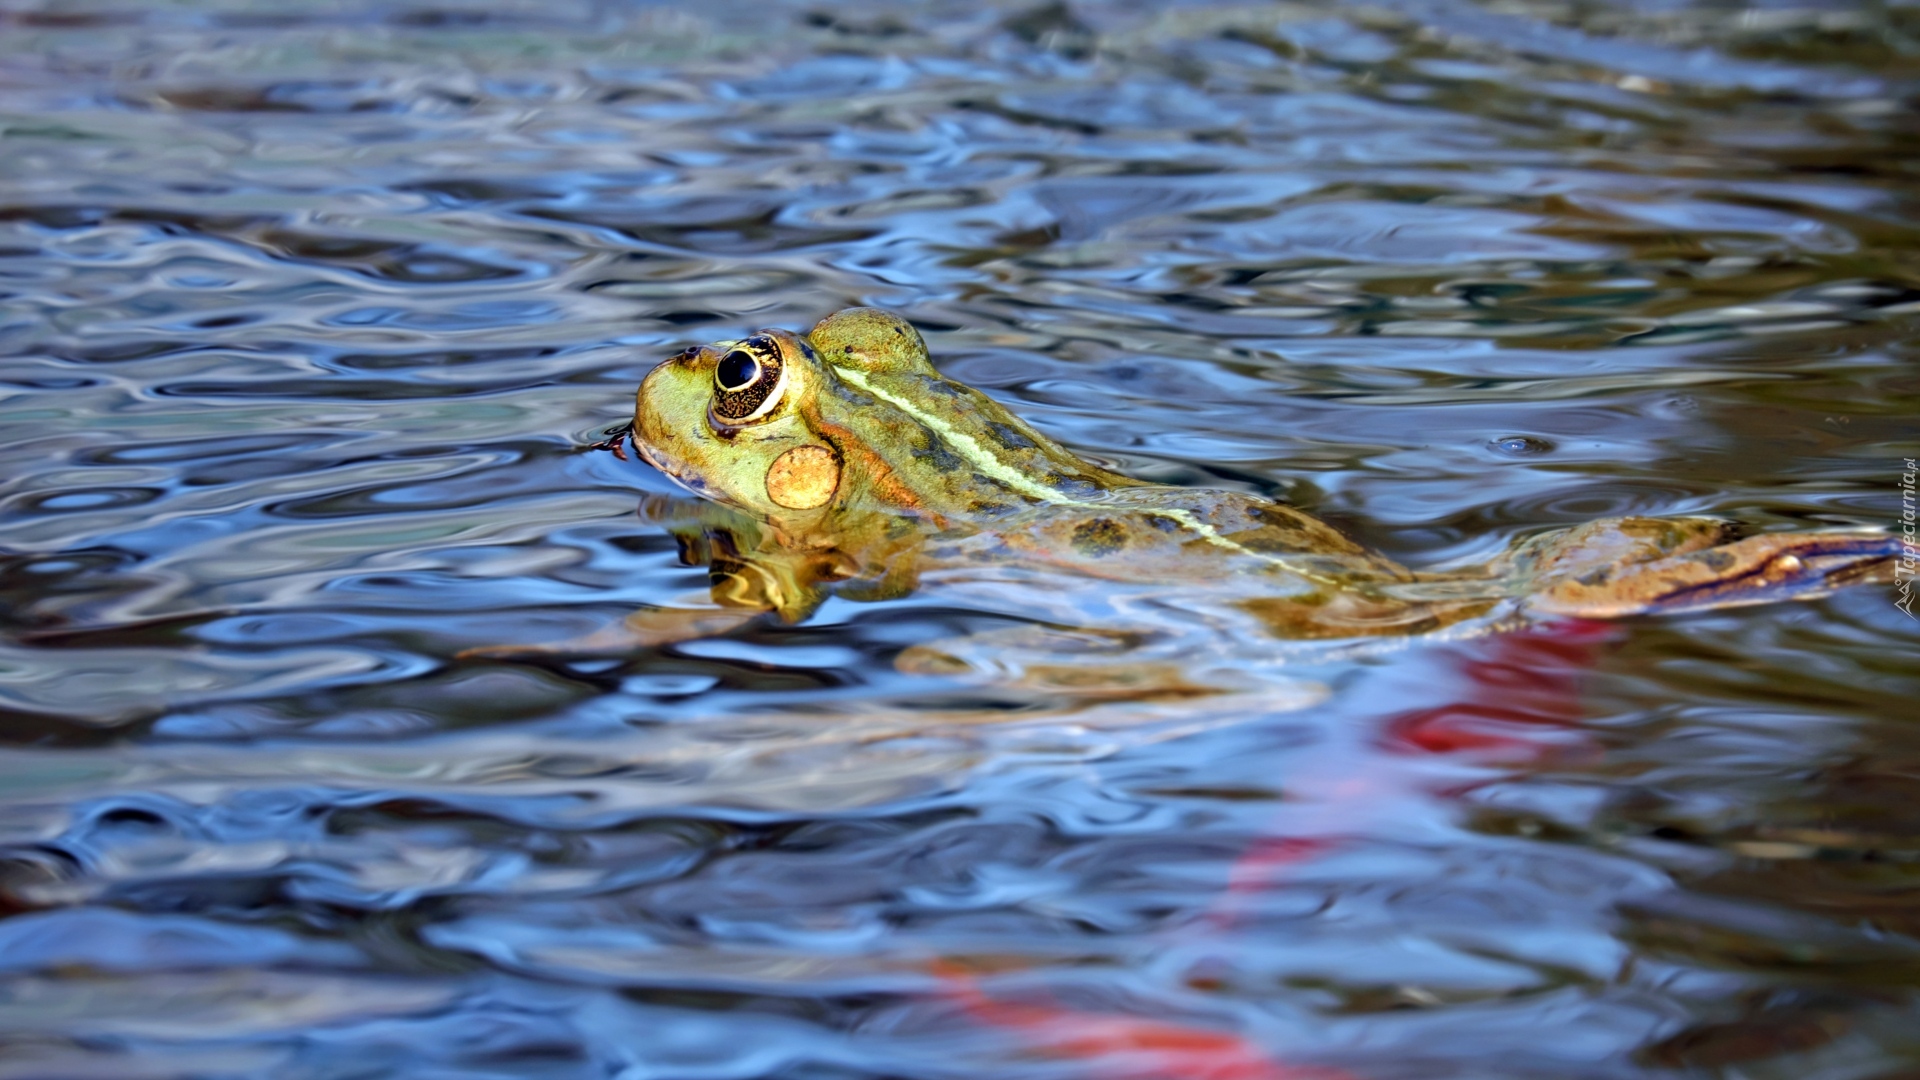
x: 1121, y: 1047
x: 1522, y: 700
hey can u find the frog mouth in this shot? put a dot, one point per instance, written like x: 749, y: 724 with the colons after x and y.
x: 617, y: 440
x: 693, y: 485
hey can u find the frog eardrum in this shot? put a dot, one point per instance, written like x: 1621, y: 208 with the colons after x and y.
x: 747, y: 382
x: 804, y: 478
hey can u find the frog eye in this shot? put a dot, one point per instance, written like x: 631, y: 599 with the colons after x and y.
x: 737, y: 371
x: 748, y: 382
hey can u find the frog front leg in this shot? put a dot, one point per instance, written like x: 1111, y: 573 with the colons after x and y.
x: 1630, y: 566
x: 742, y: 586
x: 788, y: 584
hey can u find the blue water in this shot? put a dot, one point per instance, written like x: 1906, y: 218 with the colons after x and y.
x: 308, y: 312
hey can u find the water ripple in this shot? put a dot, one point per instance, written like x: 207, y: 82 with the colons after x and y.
x: 306, y: 312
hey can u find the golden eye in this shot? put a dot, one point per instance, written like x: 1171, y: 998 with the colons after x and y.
x: 748, y: 382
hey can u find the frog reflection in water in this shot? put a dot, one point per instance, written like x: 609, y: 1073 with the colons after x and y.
x: 848, y: 466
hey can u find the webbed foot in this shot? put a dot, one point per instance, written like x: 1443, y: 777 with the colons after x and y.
x: 1757, y: 570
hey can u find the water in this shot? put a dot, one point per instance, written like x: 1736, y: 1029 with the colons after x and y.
x: 308, y: 311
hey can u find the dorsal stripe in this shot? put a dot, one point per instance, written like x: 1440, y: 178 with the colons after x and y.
x: 992, y: 466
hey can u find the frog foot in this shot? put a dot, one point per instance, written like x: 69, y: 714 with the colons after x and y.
x: 1757, y: 570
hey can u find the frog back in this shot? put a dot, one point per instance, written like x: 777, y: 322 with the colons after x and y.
x: 1161, y: 533
x: 923, y: 443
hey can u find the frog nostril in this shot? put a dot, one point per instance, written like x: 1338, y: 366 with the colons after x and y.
x: 737, y: 371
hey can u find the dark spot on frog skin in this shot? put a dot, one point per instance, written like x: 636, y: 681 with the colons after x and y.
x: 849, y: 395
x: 985, y: 508
x: 1597, y: 578
x: 1162, y: 522
x: 1276, y: 533
x: 1067, y: 485
x: 1268, y: 544
x: 1275, y: 517
x: 934, y: 384
x: 1714, y: 560
x: 1099, y: 538
x: 1009, y: 437
x: 936, y: 452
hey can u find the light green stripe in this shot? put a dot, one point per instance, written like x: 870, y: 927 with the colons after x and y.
x: 970, y: 448
x: 991, y: 466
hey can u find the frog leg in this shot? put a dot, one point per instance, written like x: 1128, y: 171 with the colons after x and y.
x: 1609, y: 542
x: 1079, y: 662
x: 1090, y: 664
x: 1631, y: 566
x: 790, y: 584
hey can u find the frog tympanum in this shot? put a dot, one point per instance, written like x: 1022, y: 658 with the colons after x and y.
x: 847, y: 465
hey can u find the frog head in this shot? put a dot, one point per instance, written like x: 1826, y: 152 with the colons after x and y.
x: 731, y: 422
x: 851, y: 416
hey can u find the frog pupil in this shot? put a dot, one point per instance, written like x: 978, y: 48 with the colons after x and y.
x: 737, y: 371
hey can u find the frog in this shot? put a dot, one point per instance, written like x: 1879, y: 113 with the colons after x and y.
x: 840, y: 462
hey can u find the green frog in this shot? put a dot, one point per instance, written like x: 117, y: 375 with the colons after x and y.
x: 840, y: 462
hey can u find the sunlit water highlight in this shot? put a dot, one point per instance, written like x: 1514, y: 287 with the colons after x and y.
x: 307, y: 310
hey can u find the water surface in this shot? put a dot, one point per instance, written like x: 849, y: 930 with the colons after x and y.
x: 307, y: 312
